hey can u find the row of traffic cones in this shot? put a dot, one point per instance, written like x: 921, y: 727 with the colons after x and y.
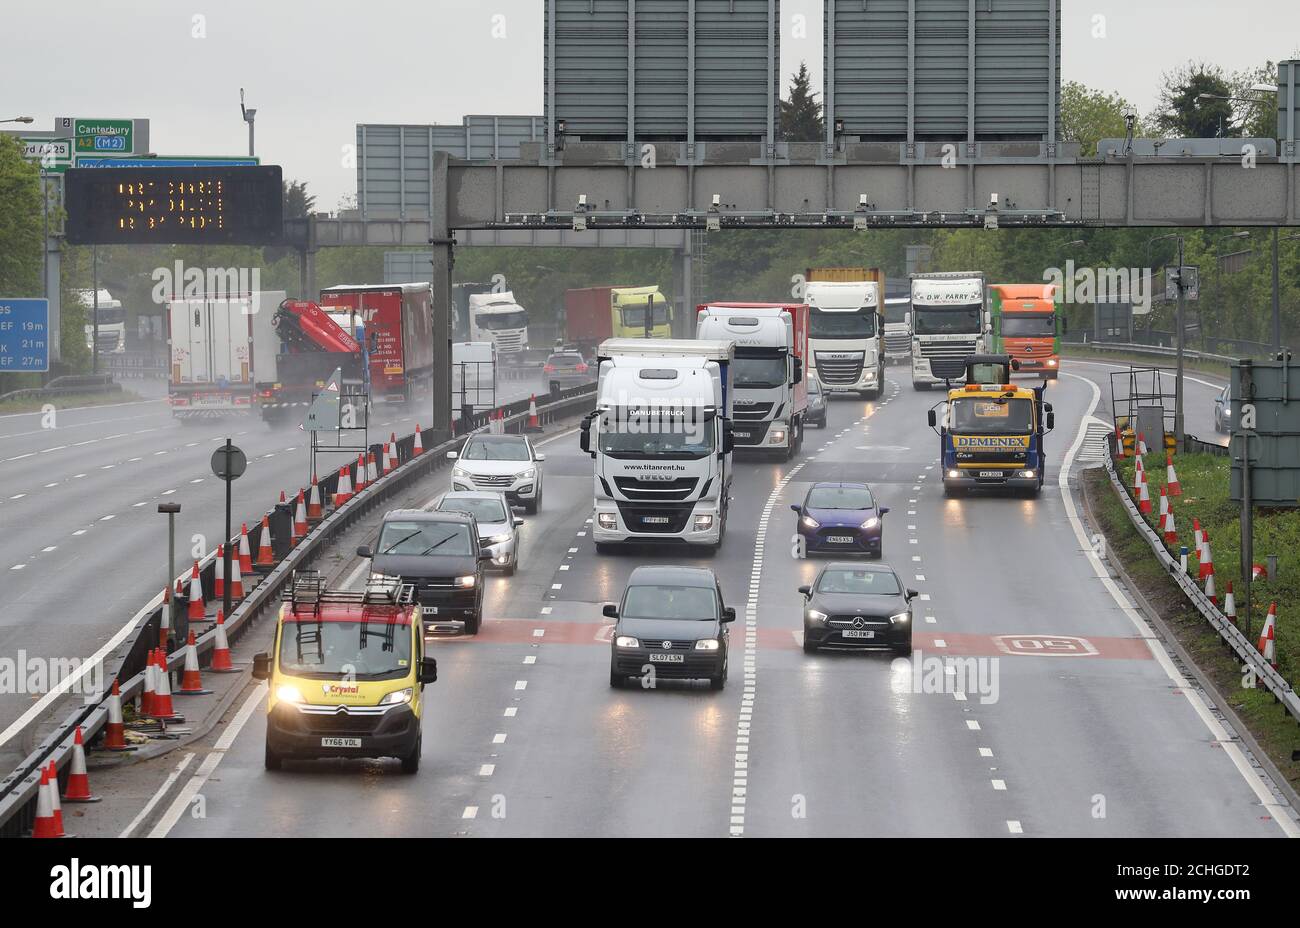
x: 49, y: 805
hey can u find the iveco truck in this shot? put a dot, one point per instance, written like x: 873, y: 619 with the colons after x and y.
x: 949, y: 324
x: 771, y: 391
x: 661, y: 438
x: 845, y: 328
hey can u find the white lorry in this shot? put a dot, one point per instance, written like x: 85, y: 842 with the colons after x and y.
x: 898, y: 329
x: 215, y: 346
x: 497, y: 318
x: 949, y: 323
x: 112, y: 321
x: 844, y: 338
x: 771, y: 393
x: 661, y: 437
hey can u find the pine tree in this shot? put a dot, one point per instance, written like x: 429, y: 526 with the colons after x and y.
x: 801, y: 113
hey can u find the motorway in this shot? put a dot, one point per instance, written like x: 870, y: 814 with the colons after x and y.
x: 1087, y: 729
x: 83, y: 547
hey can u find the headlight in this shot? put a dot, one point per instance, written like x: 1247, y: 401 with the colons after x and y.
x: 397, y: 697
x: 496, y: 539
x: 901, y: 619
x: 707, y: 644
x: 953, y: 474
x: 1051, y: 362
x: 626, y: 641
x: 527, y: 474
x: 815, y: 615
x: 810, y: 522
x: 1028, y: 474
x: 703, y: 523
x: 777, y: 436
x: 607, y: 520
x: 1227, y: 412
x: 287, y: 693
x: 466, y: 582
x: 460, y: 472
x: 871, y: 523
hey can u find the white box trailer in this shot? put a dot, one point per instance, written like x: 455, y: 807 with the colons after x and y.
x: 214, y: 350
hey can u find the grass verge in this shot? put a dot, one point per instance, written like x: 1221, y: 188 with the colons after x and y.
x: 67, y: 401
x: 1204, y: 480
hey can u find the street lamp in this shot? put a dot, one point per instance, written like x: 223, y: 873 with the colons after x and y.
x: 28, y: 120
x: 169, y: 593
x: 249, y: 115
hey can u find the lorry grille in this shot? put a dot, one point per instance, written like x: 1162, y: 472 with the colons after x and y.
x: 750, y: 433
x: 838, y: 371
x: 755, y: 413
x: 509, y: 342
x: 634, y: 517
x: 948, y: 359
x: 677, y: 489
x: 898, y: 343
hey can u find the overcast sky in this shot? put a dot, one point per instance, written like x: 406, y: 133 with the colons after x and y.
x: 315, y: 69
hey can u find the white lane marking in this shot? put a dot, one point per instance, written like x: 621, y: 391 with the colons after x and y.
x: 972, y: 725
x: 1013, y: 826
x: 15, y: 415
x: 499, y: 738
x: 18, y: 496
x: 486, y: 770
x: 511, y: 712
x: 356, y: 572
x: 48, y: 549
x: 986, y: 752
x: 546, y: 610
x: 153, y: 800
x: 539, y: 632
x: 521, y: 685
x: 1279, y: 812
x: 210, y: 763
x: 940, y: 643
x: 999, y: 784
x: 470, y: 812
x: 17, y: 567
x: 48, y: 485
x: 80, y: 531
x: 530, y: 659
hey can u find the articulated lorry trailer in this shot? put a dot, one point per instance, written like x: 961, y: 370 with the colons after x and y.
x: 661, y: 439
x: 949, y: 324
x: 397, y: 322
x: 991, y: 432
x: 594, y: 314
x: 768, y: 374
x: 846, y: 328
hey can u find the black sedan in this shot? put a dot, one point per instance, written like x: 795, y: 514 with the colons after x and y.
x: 1223, y: 411
x: 855, y: 606
x: 672, y: 623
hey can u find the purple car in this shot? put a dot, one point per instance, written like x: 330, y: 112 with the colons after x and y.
x: 841, y: 517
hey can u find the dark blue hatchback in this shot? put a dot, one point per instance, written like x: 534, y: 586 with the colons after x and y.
x: 841, y: 517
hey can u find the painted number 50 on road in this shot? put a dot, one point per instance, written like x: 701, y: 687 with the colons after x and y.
x: 1045, y: 645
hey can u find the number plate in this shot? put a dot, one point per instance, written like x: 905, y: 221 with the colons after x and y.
x: 429, y: 610
x: 340, y: 742
x: 667, y: 658
x: 655, y: 520
x: 857, y: 633
x: 992, y: 473
x: 840, y: 539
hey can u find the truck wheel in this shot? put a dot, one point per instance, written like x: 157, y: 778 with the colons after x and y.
x: 411, y: 762
x: 472, y: 624
x: 604, y: 548
x: 920, y: 387
x: 809, y: 646
x: 904, y: 649
x: 952, y: 492
x: 273, y: 761
x: 615, y: 678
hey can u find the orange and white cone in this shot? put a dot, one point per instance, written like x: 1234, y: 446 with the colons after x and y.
x: 1210, y: 592
x: 534, y: 424
x: 1139, y: 473
x: 313, y: 500
x: 196, y: 613
x: 1171, y: 477
x: 299, y: 519
x: 390, y: 454
x: 54, y: 800
x: 245, y: 552
x: 1207, y: 560
x: 115, y: 730
x: 149, y: 696
x: 1230, y: 605
x: 265, y: 556
x: 361, y: 472
x: 1119, y: 443
x: 236, y: 579
x: 1142, y: 443
x: 1144, y: 497
x: 1258, y: 573
x: 163, y: 707
x: 1164, y: 507
x: 344, y: 491
x: 372, y: 472
x: 418, y: 447
x: 191, y: 678
x: 78, y: 788
x: 1267, y: 637
x: 1197, y: 536
x: 219, y: 574
x: 221, y: 662
x: 1171, y: 530
x: 45, y: 825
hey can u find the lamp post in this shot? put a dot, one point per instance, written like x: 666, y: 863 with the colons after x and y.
x: 169, y: 608
x: 249, y: 115
x: 27, y: 120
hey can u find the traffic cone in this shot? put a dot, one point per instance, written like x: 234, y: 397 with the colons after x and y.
x: 1171, y: 477
x: 54, y: 800
x: 1138, y: 472
x: 78, y: 788
x: 1119, y: 442
x: 534, y: 424
x: 219, y: 575
x: 1230, y: 605
x: 313, y: 501
x: 1258, y: 572
x: 221, y: 662
x: 417, y: 448
x: 115, y: 730
x: 299, y: 519
x: 191, y: 679
x: 1197, y: 536
x: 170, y: 598
x: 1164, y: 507
x: 245, y: 553
x: 1267, y: 637
x: 1207, y: 561
x: 361, y: 472
x: 265, y: 556
x: 45, y: 825
x: 1171, y: 530
x: 344, y: 491
x: 1142, y: 443
x: 372, y: 472
x: 1144, y: 497
x: 236, y: 579
x: 163, y: 707
x: 196, y: 613
x: 1210, y: 592
x: 149, y: 696
x: 390, y: 454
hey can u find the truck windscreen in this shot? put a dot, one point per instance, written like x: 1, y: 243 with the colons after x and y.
x: 111, y: 315
x: 626, y: 434
x: 1037, y: 325
x: 859, y: 324
x: 990, y: 416
x: 897, y: 313
x: 634, y: 316
x: 946, y: 320
x: 758, y: 372
x: 517, y: 320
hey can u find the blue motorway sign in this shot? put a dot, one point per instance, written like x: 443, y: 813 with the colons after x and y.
x: 92, y: 161
x: 24, y: 335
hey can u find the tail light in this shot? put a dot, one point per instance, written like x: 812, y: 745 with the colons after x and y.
x: 581, y: 368
x: 548, y: 368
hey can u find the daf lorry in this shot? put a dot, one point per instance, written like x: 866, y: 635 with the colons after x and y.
x: 112, y: 321
x: 497, y: 318
x: 846, y: 328
x: 661, y: 439
x: 949, y: 324
x: 771, y: 399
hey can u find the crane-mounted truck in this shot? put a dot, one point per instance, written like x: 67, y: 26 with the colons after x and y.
x: 846, y: 328
x: 771, y: 390
x: 661, y: 439
x: 295, y: 348
x: 991, y: 431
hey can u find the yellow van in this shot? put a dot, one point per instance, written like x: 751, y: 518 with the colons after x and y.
x: 347, y: 673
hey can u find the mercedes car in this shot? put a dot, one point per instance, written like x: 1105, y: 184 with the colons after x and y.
x: 854, y: 606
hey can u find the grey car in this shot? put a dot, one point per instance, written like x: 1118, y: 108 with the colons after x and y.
x: 816, y: 414
x: 566, y: 369
x: 857, y: 606
x: 498, y: 526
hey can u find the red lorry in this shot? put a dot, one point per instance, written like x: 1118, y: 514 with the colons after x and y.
x: 397, y: 322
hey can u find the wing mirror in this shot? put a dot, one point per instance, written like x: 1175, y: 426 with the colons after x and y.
x: 609, y: 611
x: 884, y: 509
x: 805, y: 590
x: 365, y: 551
x: 262, y: 666
x: 795, y: 507
x: 518, y: 521
x: 729, y: 613
x: 452, y: 455
x: 539, y: 458
x: 1051, y: 421
x: 429, y: 670
x: 911, y: 595
x: 931, y: 418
